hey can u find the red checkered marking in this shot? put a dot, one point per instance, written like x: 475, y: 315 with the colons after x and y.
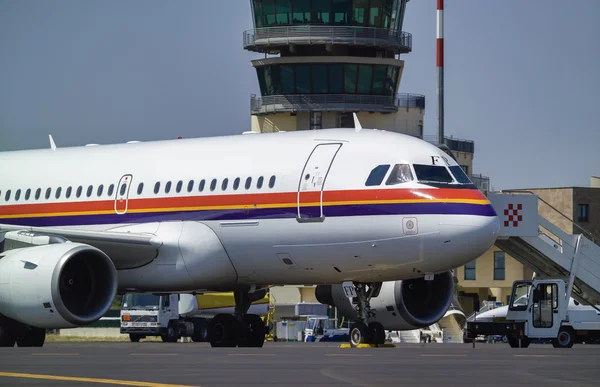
x: 513, y: 215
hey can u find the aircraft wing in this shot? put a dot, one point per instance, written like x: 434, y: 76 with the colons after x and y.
x: 126, y: 249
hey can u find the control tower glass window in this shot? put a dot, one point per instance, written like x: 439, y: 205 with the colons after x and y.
x: 328, y: 78
x: 356, y: 13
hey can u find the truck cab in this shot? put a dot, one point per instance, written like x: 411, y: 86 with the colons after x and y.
x: 145, y: 315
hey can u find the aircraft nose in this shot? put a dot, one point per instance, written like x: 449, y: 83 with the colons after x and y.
x: 469, y: 236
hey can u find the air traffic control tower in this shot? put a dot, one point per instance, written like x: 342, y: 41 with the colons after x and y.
x: 323, y: 60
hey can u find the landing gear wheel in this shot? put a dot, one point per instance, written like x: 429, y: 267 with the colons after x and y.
x: 254, y: 331
x: 378, y: 332
x: 565, y: 338
x: 360, y: 334
x: 34, y: 337
x: 134, y: 338
x: 222, y: 331
x: 7, y: 338
x: 171, y: 336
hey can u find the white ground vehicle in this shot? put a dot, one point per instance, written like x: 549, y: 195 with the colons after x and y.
x: 540, y: 310
x: 172, y: 316
x: 323, y: 328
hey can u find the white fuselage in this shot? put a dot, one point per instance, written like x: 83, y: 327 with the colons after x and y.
x: 269, y: 209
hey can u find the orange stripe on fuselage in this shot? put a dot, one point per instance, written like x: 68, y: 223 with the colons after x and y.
x: 259, y: 199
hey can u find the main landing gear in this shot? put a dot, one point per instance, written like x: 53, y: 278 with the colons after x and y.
x: 363, y: 331
x: 240, y: 329
x: 13, y: 332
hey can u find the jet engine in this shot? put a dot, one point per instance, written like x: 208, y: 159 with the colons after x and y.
x: 54, y: 286
x: 399, y: 305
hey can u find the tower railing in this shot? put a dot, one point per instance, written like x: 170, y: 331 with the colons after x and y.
x: 263, y: 39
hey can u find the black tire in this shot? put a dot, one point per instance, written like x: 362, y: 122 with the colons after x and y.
x: 223, y: 330
x: 516, y: 343
x: 200, y: 331
x: 7, y: 337
x: 360, y: 334
x: 253, y: 332
x: 34, y: 337
x: 171, y: 336
x: 565, y: 338
x: 134, y: 338
x: 378, y: 332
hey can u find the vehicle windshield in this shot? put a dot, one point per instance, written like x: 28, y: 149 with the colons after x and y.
x: 433, y: 174
x: 519, y: 298
x: 459, y: 175
x: 140, y: 301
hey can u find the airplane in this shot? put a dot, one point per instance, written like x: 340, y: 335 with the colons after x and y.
x: 352, y: 207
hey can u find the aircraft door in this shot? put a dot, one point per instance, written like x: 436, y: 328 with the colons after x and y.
x: 312, y: 181
x: 122, y: 194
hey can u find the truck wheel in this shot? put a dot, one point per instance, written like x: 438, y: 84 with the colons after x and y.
x: 171, y: 336
x: 200, y: 332
x: 565, y: 338
x: 134, y: 338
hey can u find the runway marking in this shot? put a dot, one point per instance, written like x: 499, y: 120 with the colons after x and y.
x: 537, y: 355
x: 54, y: 354
x: 347, y: 354
x: 443, y: 355
x: 90, y: 380
x: 154, y: 354
x: 251, y: 354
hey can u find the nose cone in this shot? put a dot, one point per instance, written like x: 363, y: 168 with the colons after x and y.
x: 467, y: 237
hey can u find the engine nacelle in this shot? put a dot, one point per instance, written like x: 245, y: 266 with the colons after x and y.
x: 55, y: 286
x: 400, y: 305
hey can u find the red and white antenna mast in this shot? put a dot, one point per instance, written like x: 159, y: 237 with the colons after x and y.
x: 440, y: 68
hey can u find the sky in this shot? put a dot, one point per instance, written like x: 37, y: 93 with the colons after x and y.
x: 521, y: 78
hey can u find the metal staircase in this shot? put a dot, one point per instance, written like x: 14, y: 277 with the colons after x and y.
x: 536, y: 242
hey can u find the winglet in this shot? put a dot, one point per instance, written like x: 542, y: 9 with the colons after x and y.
x: 357, y: 125
x: 52, y: 144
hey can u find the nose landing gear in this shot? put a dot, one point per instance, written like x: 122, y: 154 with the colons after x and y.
x: 363, y: 331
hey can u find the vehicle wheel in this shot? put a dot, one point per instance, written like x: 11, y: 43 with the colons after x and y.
x: 200, y: 332
x: 360, y: 334
x: 378, y: 332
x: 7, y: 338
x: 34, y: 337
x: 134, y: 338
x: 253, y: 333
x: 171, y: 336
x: 514, y: 342
x: 565, y: 338
x: 222, y: 331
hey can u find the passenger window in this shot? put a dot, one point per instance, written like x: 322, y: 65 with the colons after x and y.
x: 401, y: 173
x: 27, y: 193
x: 68, y: 193
x: 90, y: 190
x: 156, y: 187
x: 17, y: 195
x: 140, y: 188
x: 432, y: 173
x: 58, y: 191
x: 100, y: 189
x: 111, y: 189
x: 48, y: 192
x: 272, y: 182
x: 459, y: 175
x: 201, y: 186
x: 259, y: 183
x: 224, y: 184
x: 248, y: 182
x: 123, y: 189
x: 179, y: 186
x: 38, y: 192
x: 190, y: 186
x: 79, y: 190
x: 213, y: 184
x: 236, y: 183
x: 377, y: 174
x: 168, y: 187
x: 7, y: 195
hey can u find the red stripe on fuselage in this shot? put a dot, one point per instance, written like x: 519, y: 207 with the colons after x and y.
x: 246, y: 199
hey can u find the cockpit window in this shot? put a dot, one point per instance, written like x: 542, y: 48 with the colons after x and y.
x: 377, y: 174
x: 460, y: 175
x: 432, y: 173
x: 401, y: 173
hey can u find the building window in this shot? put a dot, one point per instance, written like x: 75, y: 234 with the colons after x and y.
x: 466, y: 169
x: 470, y: 271
x: 316, y: 120
x: 499, y: 266
x: 582, y: 212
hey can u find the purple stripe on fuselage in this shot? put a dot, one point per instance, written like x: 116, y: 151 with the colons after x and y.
x: 261, y: 213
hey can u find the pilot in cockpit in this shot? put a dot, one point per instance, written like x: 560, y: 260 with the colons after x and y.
x: 400, y: 174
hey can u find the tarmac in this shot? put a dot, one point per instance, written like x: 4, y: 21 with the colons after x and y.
x: 157, y: 364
